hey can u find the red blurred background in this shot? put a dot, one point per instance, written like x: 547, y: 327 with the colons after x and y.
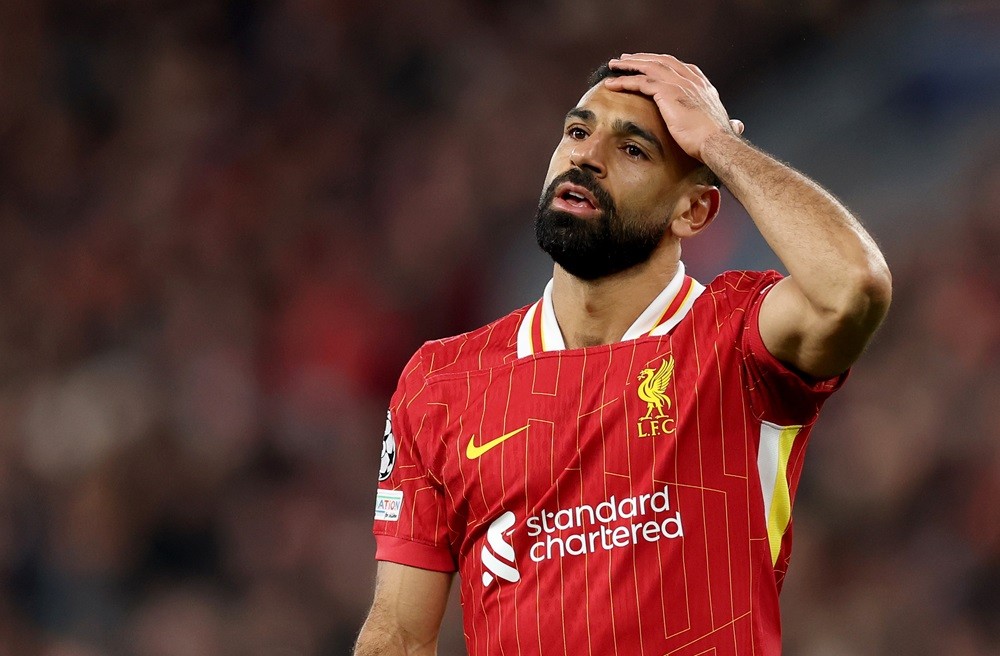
x: 224, y: 227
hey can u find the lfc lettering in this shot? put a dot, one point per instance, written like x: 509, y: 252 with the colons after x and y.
x: 654, y: 427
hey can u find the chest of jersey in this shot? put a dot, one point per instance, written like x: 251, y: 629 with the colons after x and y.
x: 576, y: 428
x: 579, y: 470
x: 614, y: 499
x: 553, y: 411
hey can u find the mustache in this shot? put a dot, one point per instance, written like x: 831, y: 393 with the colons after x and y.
x: 584, y: 179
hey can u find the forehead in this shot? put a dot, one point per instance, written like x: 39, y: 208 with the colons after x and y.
x: 611, y: 105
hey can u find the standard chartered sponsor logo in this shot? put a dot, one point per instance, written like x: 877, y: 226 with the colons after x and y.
x: 590, y: 530
x: 583, y: 529
x: 504, y: 569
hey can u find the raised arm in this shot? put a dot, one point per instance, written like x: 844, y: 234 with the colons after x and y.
x: 819, y: 319
x: 405, y: 617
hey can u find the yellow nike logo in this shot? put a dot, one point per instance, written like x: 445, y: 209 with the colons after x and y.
x: 473, y: 451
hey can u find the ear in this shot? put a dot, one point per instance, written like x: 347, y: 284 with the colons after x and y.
x: 695, y: 210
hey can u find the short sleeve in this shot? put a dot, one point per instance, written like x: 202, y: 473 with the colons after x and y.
x: 410, y: 524
x: 778, y: 394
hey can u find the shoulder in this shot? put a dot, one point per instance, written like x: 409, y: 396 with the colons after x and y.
x: 741, y: 289
x: 742, y: 282
x: 483, y: 348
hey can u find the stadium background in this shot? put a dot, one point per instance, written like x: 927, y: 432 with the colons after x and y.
x: 224, y: 226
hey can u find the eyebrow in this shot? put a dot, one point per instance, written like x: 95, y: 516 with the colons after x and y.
x: 620, y: 126
x: 580, y: 113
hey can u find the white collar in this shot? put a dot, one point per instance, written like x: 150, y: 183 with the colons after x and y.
x: 539, y: 331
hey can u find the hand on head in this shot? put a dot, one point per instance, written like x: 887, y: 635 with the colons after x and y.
x: 689, y: 104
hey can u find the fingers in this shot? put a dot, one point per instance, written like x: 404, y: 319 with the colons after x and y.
x: 650, y: 79
x: 644, y: 84
x: 685, y: 97
x: 656, y: 74
x: 652, y: 67
x: 683, y: 69
x: 661, y: 82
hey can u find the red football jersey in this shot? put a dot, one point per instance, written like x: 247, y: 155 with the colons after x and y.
x: 632, y: 498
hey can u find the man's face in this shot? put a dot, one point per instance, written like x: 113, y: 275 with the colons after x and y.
x: 610, y: 187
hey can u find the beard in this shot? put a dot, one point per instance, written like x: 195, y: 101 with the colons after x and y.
x: 595, y: 248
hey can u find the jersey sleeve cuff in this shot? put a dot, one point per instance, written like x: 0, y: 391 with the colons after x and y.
x: 414, y: 554
x: 784, y: 383
x: 767, y: 361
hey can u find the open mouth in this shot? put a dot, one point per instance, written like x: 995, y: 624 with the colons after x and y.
x: 575, y: 198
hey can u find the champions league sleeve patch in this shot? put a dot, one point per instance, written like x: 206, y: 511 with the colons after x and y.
x: 388, y: 449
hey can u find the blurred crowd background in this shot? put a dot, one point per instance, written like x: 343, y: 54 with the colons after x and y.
x: 224, y: 227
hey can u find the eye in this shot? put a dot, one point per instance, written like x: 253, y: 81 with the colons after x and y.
x: 576, y: 132
x: 634, y: 151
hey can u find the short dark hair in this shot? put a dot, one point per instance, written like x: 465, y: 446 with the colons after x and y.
x: 605, y: 71
x: 702, y: 174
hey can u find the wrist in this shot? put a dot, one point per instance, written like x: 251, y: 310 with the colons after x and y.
x: 719, y: 149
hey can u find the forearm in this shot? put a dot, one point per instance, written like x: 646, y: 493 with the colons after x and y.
x: 375, y: 641
x: 406, y: 614
x: 834, y: 261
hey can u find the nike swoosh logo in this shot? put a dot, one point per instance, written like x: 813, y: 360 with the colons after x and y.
x: 473, y: 451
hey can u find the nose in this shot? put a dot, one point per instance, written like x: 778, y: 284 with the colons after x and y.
x: 586, y: 154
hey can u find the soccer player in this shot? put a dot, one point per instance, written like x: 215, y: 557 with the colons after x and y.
x: 611, y: 469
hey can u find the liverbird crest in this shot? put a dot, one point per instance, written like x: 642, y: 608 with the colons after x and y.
x: 653, y: 388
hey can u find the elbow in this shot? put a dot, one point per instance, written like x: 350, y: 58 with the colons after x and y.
x: 841, y: 329
x: 877, y: 288
x: 869, y: 293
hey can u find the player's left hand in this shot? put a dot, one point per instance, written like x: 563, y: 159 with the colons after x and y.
x: 688, y: 102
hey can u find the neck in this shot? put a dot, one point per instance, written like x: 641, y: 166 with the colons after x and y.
x: 594, y: 312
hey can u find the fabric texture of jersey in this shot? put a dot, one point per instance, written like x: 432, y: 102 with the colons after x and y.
x: 632, y: 498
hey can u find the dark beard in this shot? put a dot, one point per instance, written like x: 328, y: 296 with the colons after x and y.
x: 597, y: 248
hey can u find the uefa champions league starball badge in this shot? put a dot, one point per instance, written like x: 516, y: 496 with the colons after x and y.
x: 388, y: 449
